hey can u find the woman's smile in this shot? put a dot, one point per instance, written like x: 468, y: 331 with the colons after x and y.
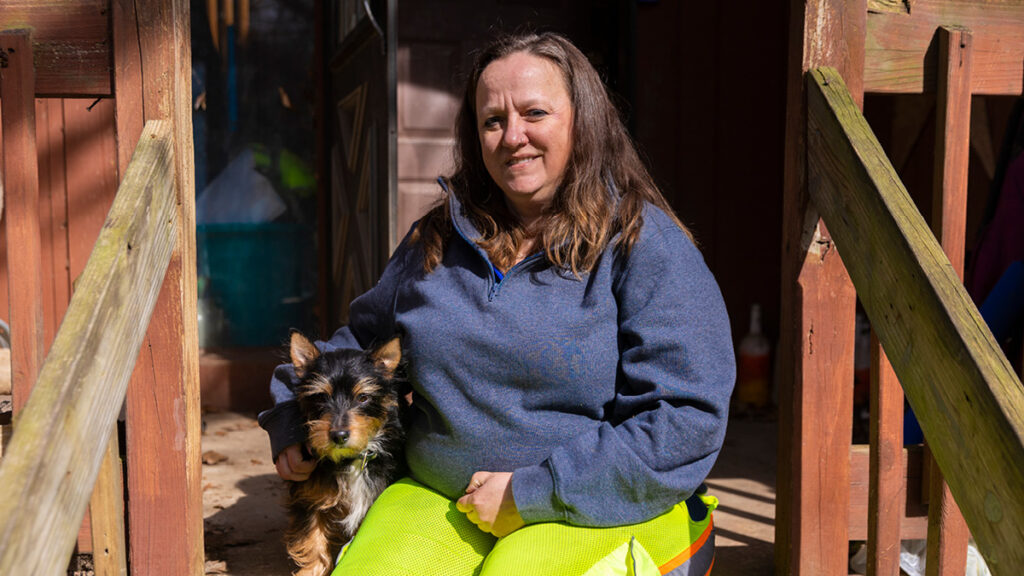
x: 519, y: 161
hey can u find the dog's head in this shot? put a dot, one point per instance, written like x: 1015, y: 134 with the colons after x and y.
x: 346, y: 396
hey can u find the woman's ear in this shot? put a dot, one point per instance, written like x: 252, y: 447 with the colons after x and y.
x: 387, y: 356
x: 303, y: 354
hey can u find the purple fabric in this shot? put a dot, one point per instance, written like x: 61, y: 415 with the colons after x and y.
x: 1002, y: 242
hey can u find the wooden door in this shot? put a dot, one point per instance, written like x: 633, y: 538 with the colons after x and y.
x: 361, y: 146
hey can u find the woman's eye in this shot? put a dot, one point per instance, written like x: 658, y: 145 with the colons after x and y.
x: 536, y: 113
x: 491, y: 122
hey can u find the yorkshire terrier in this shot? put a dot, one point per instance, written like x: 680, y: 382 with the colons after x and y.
x: 350, y: 402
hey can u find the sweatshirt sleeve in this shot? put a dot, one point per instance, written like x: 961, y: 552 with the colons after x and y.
x: 371, y: 321
x: 669, y: 415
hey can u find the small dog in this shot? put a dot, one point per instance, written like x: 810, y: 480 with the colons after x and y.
x: 351, y: 404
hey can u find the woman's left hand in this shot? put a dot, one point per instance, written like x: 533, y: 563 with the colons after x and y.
x: 489, y: 504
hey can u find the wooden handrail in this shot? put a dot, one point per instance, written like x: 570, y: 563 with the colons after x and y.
x: 969, y: 401
x: 51, y: 464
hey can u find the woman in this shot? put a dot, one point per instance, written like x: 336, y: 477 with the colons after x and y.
x: 568, y: 349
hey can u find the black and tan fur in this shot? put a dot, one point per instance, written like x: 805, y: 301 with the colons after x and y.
x: 350, y: 402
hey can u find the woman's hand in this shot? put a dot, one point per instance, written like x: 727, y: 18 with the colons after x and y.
x: 291, y: 465
x: 489, y: 504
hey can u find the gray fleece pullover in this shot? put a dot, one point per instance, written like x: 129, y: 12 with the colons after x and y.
x: 606, y: 396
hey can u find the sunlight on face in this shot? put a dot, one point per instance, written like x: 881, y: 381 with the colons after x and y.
x: 524, y: 118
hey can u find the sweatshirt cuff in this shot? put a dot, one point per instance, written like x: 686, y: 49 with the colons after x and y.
x: 533, y: 489
x: 283, y: 425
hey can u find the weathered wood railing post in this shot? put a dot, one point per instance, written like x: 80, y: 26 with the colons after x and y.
x: 947, y: 531
x: 926, y: 321
x: 817, y: 308
x: 888, y: 470
x: 51, y: 464
x: 152, y: 80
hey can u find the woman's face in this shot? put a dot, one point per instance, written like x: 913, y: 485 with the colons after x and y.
x: 524, y: 118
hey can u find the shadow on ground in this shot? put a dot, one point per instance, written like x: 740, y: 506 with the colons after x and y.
x: 744, y: 482
x: 247, y: 535
x: 243, y: 515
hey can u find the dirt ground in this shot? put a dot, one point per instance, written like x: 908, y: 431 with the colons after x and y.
x: 242, y: 495
x: 245, y: 520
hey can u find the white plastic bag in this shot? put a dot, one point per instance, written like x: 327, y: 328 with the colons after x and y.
x: 239, y: 194
x: 912, y: 559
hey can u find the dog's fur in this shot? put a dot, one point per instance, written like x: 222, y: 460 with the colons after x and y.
x: 350, y: 402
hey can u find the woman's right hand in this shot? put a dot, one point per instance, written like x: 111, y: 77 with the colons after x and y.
x: 291, y: 465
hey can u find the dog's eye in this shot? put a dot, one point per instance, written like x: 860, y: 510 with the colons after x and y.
x: 363, y: 398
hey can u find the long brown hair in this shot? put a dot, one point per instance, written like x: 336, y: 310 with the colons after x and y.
x: 603, y: 190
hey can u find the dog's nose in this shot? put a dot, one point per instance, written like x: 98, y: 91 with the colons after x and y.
x: 339, y: 436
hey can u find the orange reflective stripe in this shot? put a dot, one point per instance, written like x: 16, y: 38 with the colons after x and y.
x: 710, y: 567
x: 688, y: 553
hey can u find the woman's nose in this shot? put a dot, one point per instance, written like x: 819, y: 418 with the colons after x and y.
x: 515, y: 133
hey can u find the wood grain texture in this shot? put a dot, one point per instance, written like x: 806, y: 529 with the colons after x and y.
x: 930, y: 329
x: 817, y: 321
x: 21, y: 190
x: 45, y: 483
x: 77, y: 174
x: 153, y: 81
x: 952, y: 143
x: 91, y: 165
x: 71, y: 43
x: 53, y: 222
x: 88, y: 176
x: 947, y: 531
x: 109, y: 554
x: 912, y: 514
x: 888, y: 481
x: 901, y: 53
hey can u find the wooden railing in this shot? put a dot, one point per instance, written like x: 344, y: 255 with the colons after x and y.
x: 60, y: 436
x: 966, y: 395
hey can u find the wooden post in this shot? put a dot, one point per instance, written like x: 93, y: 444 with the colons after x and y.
x: 21, y: 191
x: 53, y: 459
x: 152, y: 78
x: 947, y: 531
x: 931, y: 330
x: 887, y: 493
x: 817, y: 331
x: 952, y: 143
x: 107, y: 509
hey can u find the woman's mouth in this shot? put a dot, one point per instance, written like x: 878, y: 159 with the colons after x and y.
x: 519, y: 161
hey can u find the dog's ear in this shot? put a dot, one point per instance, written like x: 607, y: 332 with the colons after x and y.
x: 387, y: 356
x: 303, y: 354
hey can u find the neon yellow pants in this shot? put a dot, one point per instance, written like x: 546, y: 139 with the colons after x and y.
x: 413, y: 531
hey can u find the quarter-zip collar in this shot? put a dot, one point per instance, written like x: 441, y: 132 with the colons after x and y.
x: 469, y: 233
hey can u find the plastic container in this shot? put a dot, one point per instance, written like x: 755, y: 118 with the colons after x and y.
x: 261, y: 276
